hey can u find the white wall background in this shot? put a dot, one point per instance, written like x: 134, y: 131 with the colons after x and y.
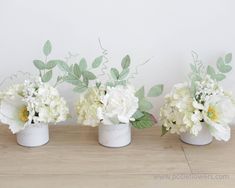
x: 165, y: 30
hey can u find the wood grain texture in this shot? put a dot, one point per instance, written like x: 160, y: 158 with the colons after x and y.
x: 74, y: 156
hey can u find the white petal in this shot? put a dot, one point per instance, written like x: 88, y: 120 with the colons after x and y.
x: 220, y: 132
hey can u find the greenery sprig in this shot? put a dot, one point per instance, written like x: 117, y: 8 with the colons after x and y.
x: 80, y: 74
x: 199, y: 71
x: 46, y: 67
x: 143, y: 119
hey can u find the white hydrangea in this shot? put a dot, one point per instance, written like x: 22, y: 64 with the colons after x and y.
x: 177, y: 114
x: 87, y: 107
x: 32, y: 102
x: 211, y: 105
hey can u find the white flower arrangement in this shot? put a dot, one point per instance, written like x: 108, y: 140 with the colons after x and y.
x: 202, y: 100
x: 113, y: 102
x: 33, y: 101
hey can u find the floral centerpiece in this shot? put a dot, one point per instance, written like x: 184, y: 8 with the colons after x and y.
x: 30, y: 106
x: 200, y: 109
x: 113, y: 105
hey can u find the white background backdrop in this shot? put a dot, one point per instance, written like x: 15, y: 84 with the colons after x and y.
x: 165, y: 30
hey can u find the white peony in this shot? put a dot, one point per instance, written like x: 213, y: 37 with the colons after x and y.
x: 218, y: 112
x: 119, y: 105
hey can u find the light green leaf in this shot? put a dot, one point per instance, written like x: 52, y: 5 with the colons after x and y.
x: 124, y: 74
x: 222, y: 67
x: 98, y: 84
x: 80, y: 89
x: 70, y: 79
x: 138, y: 114
x: 120, y: 82
x: 126, y: 62
x: 193, y: 67
x: 83, y: 65
x: 51, y: 64
x: 155, y: 91
x: 140, y: 93
x: 164, y: 130
x: 228, y: 58
x: 89, y: 75
x: 47, y: 48
x: 145, y: 105
x: 47, y: 76
x: 114, y: 73
x: 39, y: 64
x: 110, y: 84
x: 210, y: 70
x: 97, y: 62
x: 146, y: 121
x: 76, y: 70
x: 63, y: 66
x: 71, y: 68
x: 219, y: 77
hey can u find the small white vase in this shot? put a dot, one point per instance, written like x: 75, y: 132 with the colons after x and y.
x: 114, y: 135
x: 203, y: 138
x: 33, y: 135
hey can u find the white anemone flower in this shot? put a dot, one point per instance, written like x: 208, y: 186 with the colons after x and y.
x: 13, y: 112
x: 219, y: 111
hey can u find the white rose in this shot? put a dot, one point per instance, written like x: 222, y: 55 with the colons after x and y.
x: 119, y: 105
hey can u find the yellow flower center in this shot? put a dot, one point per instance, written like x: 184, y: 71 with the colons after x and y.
x: 23, y: 114
x: 212, y: 113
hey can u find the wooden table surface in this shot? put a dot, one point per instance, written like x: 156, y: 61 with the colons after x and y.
x: 73, y: 158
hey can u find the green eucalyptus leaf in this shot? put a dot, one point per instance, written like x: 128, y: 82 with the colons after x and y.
x: 89, y: 75
x: 210, y: 70
x: 76, y: 70
x: 98, y: 84
x: 145, y: 105
x: 228, y: 58
x: 126, y: 62
x: 156, y: 90
x: 138, y: 114
x: 82, y: 65
x: 39, y: 64
x: 51, y: 64
x: 219, y: 77
x: 222, y: 67
x: 120, y: 82
x: 47, y: 76
x: 140, y: 93
x: 146, y: 121
x: 47, y: 48
x: 164, y: 130
x: 73, y: 81
x: 63, y: 66
x: 71, y: 68
x: 110, y: 84
x: 97, y: 62
x: 114, y: 73
x: 124, y: 74
x: 193, y: 67
x: 80, y: 89
x: 85, y: 81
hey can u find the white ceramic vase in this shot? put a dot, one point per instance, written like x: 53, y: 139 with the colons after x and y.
x: 114, y: 135
x: 33, y: 135
x: 204, y: 137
